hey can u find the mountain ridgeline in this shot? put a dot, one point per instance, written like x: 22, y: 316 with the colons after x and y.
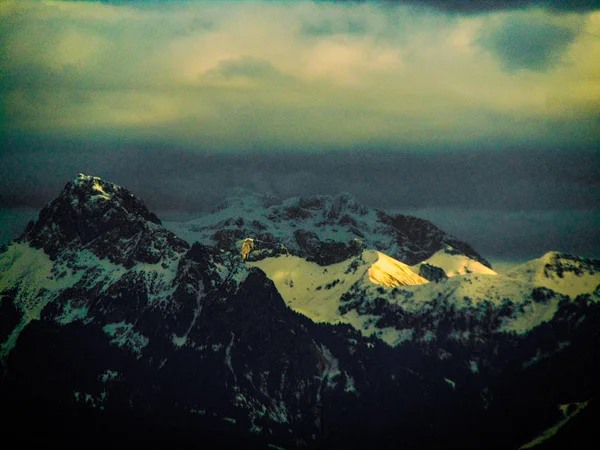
x: 339, y: 327
x: 319, y: 228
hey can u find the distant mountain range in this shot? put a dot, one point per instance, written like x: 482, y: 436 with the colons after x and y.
x: 319, y: 228
x: 311, y: 322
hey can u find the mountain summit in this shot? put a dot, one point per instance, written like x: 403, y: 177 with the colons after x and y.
x: 105, y: 218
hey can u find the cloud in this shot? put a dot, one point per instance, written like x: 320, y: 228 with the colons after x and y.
x: 534, y: 43
x: 479, y: 6
x: 462, y: 6
x: 405, y: 105
x: 296, y: 75
x: 245, y: 68
x: 179, y: 179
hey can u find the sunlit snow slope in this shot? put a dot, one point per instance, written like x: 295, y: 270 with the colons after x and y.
x: 357, y: 290
x: 315, y: 291
x: 455, y: 263
x: 565, y: 274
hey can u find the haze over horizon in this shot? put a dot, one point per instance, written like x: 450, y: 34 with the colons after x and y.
x: 483, y: 118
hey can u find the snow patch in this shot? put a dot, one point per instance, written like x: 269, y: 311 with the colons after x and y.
x: 315, y: 291
x: 87, y: 263
x: 394, y: 337
x: 473, y: 366
x: 228, y: 359
x: 178, y: 341
x: 389, y: 272
x: 331, y: 367
x: 533, y: 314
x: 31, y: 272
x: 108, y: 375
x: 569, y: 411
x: 71, y: 313
x: 349, y: 384
x: 122, y: 335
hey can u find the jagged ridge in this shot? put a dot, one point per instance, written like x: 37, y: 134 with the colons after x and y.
x: 106, y: 219
x: 320, y: 228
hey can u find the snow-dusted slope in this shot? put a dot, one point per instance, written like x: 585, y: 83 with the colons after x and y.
x: 315, y: 291
x: 455, y: 263
x: 321, y: 228
x: 562, y: 273
x: 352, y: 291
x: 363, y: 290
x: 96, y: 239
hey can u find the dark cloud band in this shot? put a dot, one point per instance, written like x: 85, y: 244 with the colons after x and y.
x: 459, y: 6
x: 168, y: 178
x: 478, y: 6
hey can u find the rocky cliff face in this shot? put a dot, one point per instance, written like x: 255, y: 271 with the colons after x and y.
x: 105, y: 342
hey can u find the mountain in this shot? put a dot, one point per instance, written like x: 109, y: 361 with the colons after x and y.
x: 116, y: 332
x: 319, y: 228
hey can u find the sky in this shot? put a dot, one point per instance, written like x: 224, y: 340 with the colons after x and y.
x: 482, y: 116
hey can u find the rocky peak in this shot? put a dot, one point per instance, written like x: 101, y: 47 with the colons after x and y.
x: 331, y: 208
x: 345, y: 203
x: 428, y: 237
x: 105, y: 218
x: 244, y: 200
x: 312, y: 201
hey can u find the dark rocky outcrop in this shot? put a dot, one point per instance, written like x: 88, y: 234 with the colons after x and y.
x: 432, y: 273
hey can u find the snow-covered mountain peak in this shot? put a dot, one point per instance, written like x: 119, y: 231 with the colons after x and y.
x: 561, y: 272
x: 557, y: 260
x: 107, y: 219
x: 345, y: 203
x: 88, y: 195
x: 244, y: 201
x: 99, y: 186
x: 108, y: 319
x: 454, y: 263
